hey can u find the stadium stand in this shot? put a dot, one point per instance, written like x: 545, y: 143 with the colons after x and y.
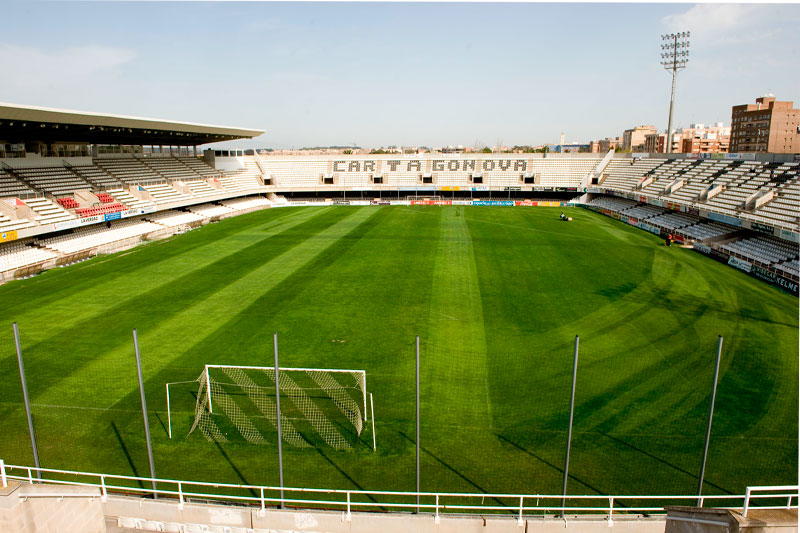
x: 211, y: 210
x: 53, y: 180
x: 15, y: 255
x: 87, y: 238
x: 200, y: 188
x: 99, y: 210
x: 129, y: 170
x: 761, y: 250
x: 175, y: 218
x: 244, y: 204
x: 643, y: 212
x: 162, y: 193
x: 10, y: 186
x: 128, y: 199
x: 46, y: 212
x: 673, y: 220
x: 98, y: 177
x: 704, y: 231
x: 789, y: 268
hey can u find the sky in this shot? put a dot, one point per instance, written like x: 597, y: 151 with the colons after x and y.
x: 380, y: 74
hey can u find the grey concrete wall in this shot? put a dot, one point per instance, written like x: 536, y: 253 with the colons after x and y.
x: 336, y: 522
x: 26, y: 508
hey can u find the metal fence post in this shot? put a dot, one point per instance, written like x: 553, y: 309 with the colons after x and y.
x: 144, y: 414
x: 417, y: 446
x: 26, y: 399
x: 710, y: 417
x: 3, y: 478
x: 278, y: 412
x: 569, y: 431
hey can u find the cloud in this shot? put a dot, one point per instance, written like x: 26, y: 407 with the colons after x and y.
x: 725, y: 24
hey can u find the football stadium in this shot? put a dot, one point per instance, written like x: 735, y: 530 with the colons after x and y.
x: 204, y: 328
x: 503, y: 268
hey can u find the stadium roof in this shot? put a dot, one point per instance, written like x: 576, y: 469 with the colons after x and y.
x: 19, y: 123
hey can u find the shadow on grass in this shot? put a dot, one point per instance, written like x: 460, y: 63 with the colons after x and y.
x: 346, y: 475
x: 663, y: 461
x: 234, y: 467
x: 453, y: 470
x: 551, y: 465
x: 127, y: 453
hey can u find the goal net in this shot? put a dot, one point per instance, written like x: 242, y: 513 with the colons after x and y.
x: 318, y: 406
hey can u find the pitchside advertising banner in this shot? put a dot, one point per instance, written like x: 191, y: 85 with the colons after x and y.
x: 779, y: 281
x: 741, y: 264
x: 702, y: 248
x: 493, y: 202
x: 8, y: 236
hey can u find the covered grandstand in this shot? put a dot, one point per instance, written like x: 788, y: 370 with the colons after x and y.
x: 71, y: 177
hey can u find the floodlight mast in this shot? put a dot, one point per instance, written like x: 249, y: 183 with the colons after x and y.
x: 674, y: 56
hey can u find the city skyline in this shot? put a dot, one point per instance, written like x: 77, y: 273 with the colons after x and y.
x: 379, y: 74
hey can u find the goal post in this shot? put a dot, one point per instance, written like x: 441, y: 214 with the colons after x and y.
x: 362, y: 379
x: 323, y: 406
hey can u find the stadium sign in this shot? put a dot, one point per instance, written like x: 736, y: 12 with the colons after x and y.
x: 786, y: 284
x: 790, y: 235
x: 763, y: 274
x: 130, y: 213
x: 740, y: 263
x: 437, y: 165
x: 702, y: 248
x: 762, y: 228
x: 732, y: 221
x: 8, y: 236
x: 493, y: 202
x: 68, y: 224
x: 112, y: 216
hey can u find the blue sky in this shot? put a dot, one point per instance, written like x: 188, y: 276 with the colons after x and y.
x: 398, y: 73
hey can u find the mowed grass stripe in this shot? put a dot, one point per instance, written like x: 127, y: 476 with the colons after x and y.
x: 455, y: 333
x: 146, y: 270
x: 99, y: 333
x: 171, y: 334
x: 102, y: 281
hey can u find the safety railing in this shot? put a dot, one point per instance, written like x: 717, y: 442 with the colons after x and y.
x: 436, y: 503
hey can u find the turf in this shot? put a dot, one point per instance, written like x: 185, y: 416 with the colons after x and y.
x: 497, y: 296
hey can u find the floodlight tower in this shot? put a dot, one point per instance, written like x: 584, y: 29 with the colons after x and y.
x: 674, y: 56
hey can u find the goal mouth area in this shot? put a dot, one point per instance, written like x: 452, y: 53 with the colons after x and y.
x: 318, y: 407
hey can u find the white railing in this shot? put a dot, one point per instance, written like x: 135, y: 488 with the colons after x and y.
x: 432, y: 502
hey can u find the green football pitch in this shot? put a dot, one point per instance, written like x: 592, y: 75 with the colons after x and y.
x: 496, y: 295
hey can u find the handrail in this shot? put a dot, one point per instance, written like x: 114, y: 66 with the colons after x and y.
x: 610, y: 504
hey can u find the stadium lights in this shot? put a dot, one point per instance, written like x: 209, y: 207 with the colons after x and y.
x: 674, y: 56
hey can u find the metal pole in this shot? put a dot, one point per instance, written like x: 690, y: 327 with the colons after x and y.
x: 569, y: 431
x: 372, y: 408
x: 710, y: 416
x: 169, y: 416
x: 278, y: 408
x: 144, y: 413
x: 27, y: 402
x: 417, y: 343
x: 208, y: 391
x: 668, y: 147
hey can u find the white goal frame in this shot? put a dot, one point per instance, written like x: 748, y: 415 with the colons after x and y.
x: 206, y: 369
x: 289, y: 369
